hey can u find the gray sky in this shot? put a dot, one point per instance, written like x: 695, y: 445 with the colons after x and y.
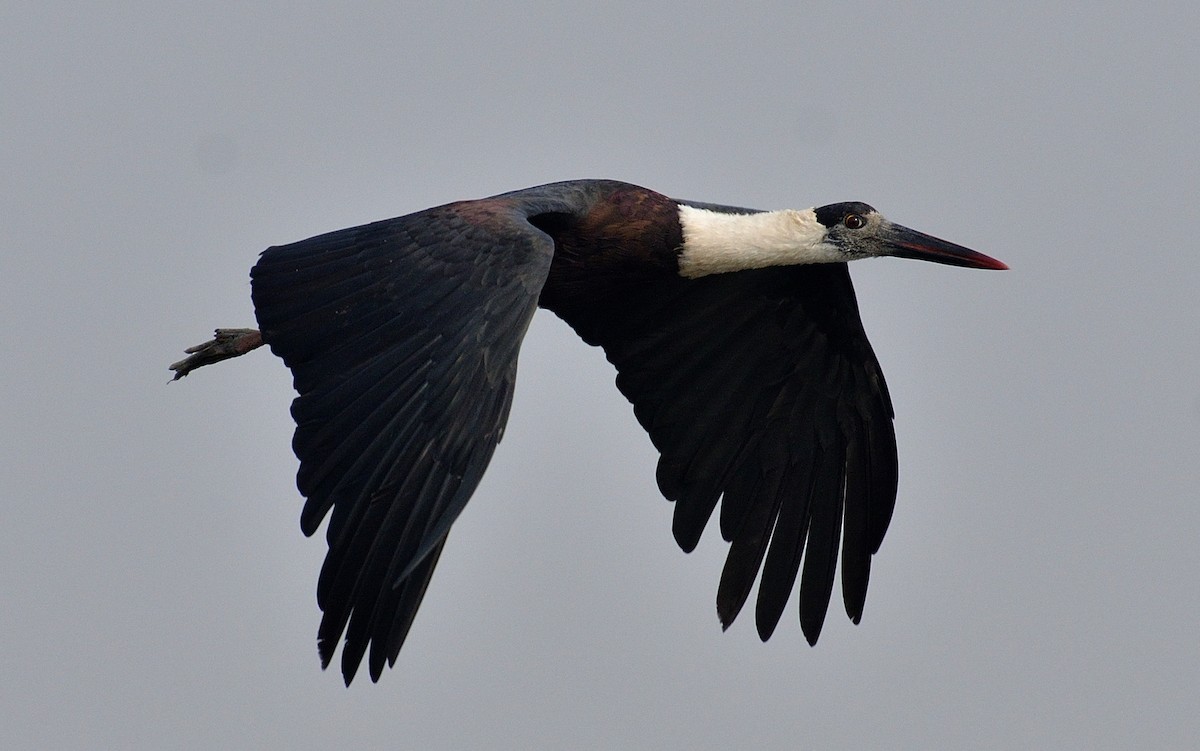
x: 1038, y: 584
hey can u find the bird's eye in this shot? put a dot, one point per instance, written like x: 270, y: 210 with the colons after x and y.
x: 854, y: 221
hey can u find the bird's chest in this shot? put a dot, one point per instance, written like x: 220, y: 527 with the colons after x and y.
x: 601, y: 268
x: 627, y: 241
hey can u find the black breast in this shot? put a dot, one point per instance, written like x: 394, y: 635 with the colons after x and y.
x: 629, y: 239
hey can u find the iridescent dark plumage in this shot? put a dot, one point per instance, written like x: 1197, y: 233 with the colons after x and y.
x: 758, y: 388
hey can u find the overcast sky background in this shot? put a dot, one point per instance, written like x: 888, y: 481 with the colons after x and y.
x: 1038, y: 586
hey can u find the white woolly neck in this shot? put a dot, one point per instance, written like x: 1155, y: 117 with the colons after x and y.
x: 715, y: 242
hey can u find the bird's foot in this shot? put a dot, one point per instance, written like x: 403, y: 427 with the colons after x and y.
x: 226, y: 343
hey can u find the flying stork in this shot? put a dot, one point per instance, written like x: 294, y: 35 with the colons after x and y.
x: 735, y: 334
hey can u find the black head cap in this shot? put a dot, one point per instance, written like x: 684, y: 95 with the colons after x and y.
x: 833, y: 214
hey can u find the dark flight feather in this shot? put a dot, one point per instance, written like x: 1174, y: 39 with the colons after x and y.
x: 402, y: 396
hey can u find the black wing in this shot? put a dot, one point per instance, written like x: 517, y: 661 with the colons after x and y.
x: 760, y: 387
x: 402, y: 338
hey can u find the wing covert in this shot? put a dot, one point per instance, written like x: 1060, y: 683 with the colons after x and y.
x: 402, y: 338
x: 759, y: 389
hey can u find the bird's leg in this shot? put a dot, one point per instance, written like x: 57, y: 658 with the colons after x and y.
x: 226, y: 343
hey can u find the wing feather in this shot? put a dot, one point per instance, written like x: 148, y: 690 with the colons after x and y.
x: 759, y: 388
x: 402, y: 337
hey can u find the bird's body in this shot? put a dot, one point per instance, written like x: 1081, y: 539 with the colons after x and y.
x: 735, y: 334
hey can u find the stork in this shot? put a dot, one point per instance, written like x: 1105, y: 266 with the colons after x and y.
x: 735, y: 334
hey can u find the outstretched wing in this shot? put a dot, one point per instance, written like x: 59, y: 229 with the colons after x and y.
x: 760, y: 388
x: 402, y: 338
